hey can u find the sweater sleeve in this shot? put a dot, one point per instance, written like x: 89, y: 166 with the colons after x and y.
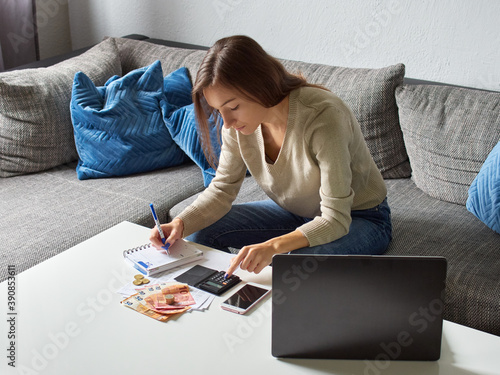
x: 216, y: 200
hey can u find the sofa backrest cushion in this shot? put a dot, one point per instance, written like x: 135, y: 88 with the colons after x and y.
x: 370, y: 95
x: 35, y: 123
x: 137, y: 53
x: 448, y: 132
x: 368, y: 92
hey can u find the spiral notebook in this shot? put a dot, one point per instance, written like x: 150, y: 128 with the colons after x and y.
x: 150, y: 261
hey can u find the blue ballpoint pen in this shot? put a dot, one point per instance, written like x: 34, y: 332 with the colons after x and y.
x: 158, y: 225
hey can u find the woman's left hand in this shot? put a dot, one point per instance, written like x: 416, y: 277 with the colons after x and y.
x: 254, y: 258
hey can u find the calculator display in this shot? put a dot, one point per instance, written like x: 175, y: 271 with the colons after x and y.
x: 212, y: 284
x: 246, y: 296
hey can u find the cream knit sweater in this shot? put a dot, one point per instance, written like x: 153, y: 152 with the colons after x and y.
x: 323, y: 171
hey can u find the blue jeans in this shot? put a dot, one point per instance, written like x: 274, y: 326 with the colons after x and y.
x: 251, y: 223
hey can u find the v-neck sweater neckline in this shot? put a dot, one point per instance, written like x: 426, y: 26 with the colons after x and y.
x: 291, y: 119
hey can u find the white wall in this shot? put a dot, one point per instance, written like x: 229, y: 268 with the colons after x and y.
x: 53, y: 27
x: 452, y: 41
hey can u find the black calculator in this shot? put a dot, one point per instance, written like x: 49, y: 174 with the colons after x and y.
x: 216, y: 283
x: 207, y: 279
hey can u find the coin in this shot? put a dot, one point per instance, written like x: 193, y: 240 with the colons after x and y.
x: 139, y: 280
x: 169, y: 298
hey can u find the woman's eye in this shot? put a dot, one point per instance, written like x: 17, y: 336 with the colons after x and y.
x: 235, y: 108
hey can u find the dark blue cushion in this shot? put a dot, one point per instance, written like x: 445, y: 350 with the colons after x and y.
x: 484, y: 192
x: 180, y: 119
x: 177, y: 88
x: 119, y: 129
x: 182, y: 126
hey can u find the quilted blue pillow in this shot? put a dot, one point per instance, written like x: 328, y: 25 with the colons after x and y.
x: 180, y: 119
x: 484, y: 192
x: 182, y: 125
x: 119, y: 128
x: 177, y: 88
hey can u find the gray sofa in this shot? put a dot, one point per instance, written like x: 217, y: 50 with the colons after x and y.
x: 428, y: 139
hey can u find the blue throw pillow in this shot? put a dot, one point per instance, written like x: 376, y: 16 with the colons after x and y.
x: 180, y: 120
x: 177, y: 88
x: 182, y: 125
x: 119, y: 128
x: 484, y: 192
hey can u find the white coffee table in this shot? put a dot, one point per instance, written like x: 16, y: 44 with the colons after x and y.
x: 70, y: 321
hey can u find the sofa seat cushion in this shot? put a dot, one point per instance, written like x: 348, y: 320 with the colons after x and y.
x: 35, y: 122
x: 62, y: 211
x: 448, y: 132
x: 426, y: 226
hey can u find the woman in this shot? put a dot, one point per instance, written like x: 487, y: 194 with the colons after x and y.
x: 304, y: 148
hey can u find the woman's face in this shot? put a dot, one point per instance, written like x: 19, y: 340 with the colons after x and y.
x: 237, y: 111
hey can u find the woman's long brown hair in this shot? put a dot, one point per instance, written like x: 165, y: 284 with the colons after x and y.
x: 239, y: 62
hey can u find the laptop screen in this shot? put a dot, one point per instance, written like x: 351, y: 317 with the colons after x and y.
x: 357, y: 307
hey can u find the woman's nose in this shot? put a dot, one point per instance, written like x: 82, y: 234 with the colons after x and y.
x: 229, y: 121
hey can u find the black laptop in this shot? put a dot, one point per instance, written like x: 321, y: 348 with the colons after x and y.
x: 358, y: 307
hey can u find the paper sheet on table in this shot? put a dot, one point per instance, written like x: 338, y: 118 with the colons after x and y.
x: 203, y: 299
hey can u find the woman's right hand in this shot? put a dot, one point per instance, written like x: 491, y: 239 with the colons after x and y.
x: 172, y: 231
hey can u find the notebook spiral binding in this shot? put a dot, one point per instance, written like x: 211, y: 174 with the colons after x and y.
x: 138, y: 248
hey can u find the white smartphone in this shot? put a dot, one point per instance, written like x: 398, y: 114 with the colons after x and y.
x: 245, y: 298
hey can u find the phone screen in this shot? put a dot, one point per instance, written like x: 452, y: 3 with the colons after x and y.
x: 246, y: 296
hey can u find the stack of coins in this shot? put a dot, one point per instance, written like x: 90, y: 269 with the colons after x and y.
x: 169, y: 299
x: 139, y: 280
